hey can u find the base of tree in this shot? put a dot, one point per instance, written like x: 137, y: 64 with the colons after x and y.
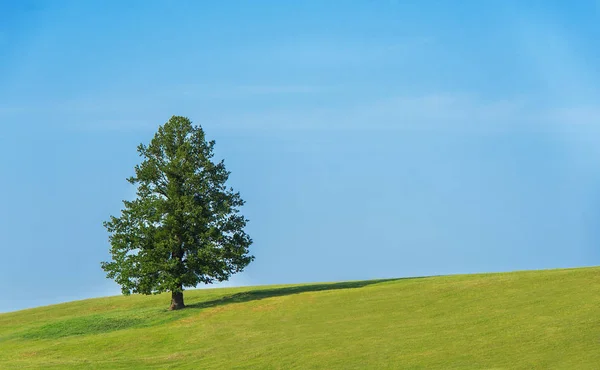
x: 176, y: 301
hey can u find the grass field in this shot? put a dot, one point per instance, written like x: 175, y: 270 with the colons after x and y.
x: 524, y: 320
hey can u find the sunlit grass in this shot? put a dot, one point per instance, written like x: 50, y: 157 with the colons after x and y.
x: 537, y: 319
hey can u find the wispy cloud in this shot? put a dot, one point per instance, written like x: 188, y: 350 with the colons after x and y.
x: 138, y: 110
x: 324, y: 53
x: 551, y: 54
x: 243, y: 91
x: 279, y: 89
x: 143, y: 99
x: 455, y: 112
x: 436, y: 112
x: 7, y: 110
x: 575, y: 116
x: 410, y: 44
x: 117, y: 125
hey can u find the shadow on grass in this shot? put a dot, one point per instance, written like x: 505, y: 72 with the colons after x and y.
x: 254, y: 295
x: 115, y: 321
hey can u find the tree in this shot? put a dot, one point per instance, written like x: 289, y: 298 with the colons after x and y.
x: 184, y: 228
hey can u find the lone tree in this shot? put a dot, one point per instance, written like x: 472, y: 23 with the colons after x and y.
x: 184, y: 227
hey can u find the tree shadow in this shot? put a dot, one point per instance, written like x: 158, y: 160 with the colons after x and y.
x: 255, y: 295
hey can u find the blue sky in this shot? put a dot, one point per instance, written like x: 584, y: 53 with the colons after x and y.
x: 370, y: 139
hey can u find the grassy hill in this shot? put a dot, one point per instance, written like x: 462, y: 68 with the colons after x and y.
x: 524, y: 320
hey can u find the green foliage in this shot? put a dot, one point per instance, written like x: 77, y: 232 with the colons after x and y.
x: 525, y: 320
x: 184, y: 228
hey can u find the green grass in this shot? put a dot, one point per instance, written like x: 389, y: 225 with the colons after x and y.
x: 524, y: 320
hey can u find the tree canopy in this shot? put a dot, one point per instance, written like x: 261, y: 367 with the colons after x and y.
x: 184, y: 228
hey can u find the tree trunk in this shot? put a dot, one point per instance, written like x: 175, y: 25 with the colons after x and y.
x: 176, y: 301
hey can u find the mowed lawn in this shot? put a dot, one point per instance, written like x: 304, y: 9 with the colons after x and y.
x: 524, y: 320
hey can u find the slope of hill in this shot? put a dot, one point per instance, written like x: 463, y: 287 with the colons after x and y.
x: 522, y: 320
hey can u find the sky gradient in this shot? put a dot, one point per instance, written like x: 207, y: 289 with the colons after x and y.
x: 370, y: 139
